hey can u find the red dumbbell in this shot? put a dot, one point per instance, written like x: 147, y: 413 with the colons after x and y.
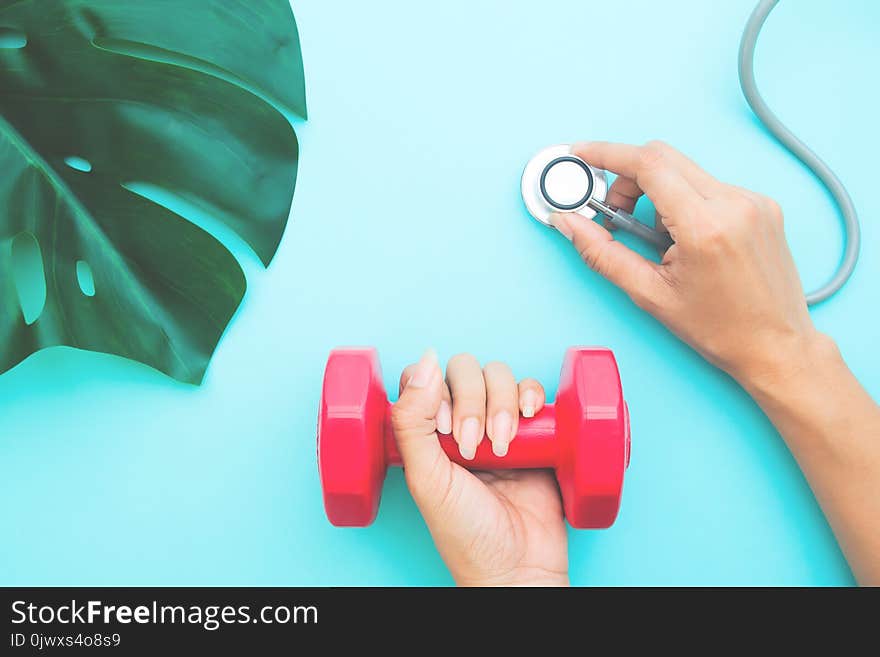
x: 584, y: 437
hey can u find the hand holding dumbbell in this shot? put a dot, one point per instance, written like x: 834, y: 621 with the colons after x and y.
x: 584, y: 437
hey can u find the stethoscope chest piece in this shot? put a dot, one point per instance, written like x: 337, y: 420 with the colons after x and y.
x: 554, y: 180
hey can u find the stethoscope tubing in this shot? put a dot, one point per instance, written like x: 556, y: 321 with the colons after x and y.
x: 623, y: 220
x: 852, y: 231
x: 801, y: 151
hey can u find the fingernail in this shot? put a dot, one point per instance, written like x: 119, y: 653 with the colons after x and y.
x: 579, y: 146
x: 560, y: 223
x: 424, y: 370
x: 444, y: 418
x: 501, y: 428
x: 529, y: 401
x: 470, y: 436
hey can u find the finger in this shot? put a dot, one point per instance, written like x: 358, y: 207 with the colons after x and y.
x: 635, y: 275
x: 660, y: 227
x: 653, y: 169
x: 701, y: 180
x: 444, y: 413
x: 465, y: 378
x: 613, y: 155
x: 758, y: 199
x: 624, y: 194
x: 531, y: 397
x: 502, y: 406
x: 405, y: 376
x: 412, y: 418
x: 659, y: 224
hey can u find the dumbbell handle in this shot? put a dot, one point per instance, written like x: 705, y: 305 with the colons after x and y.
x: 535, y: 445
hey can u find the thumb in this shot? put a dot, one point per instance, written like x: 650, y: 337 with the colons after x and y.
x: 415, y: 429
x: 635, y: 275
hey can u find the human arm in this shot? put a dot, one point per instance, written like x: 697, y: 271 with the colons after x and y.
x: 730, y: 289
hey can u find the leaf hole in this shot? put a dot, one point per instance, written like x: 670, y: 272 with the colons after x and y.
x: 84, y: 278
x: 12, y: 39
x: 29, y: 276
x: 78, y: 163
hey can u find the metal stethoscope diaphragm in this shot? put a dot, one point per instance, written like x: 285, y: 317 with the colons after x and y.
x: 555, y: 180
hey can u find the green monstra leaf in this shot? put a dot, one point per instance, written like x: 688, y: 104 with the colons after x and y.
x: 96, y: 95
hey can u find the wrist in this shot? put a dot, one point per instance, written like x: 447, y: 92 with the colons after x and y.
x: 537, y: 577
x: 790, y: 366
x: 788, y: 363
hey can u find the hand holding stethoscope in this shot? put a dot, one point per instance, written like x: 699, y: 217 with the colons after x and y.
x: 555, y: 180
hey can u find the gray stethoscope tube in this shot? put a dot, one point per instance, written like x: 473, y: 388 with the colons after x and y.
x: 626, y: 222
x: 554, y: 180
x: 801, y: 151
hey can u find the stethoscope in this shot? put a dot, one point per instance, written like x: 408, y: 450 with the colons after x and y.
x: 554, y: 180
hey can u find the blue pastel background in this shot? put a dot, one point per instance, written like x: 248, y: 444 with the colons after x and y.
x: 408, y: 231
